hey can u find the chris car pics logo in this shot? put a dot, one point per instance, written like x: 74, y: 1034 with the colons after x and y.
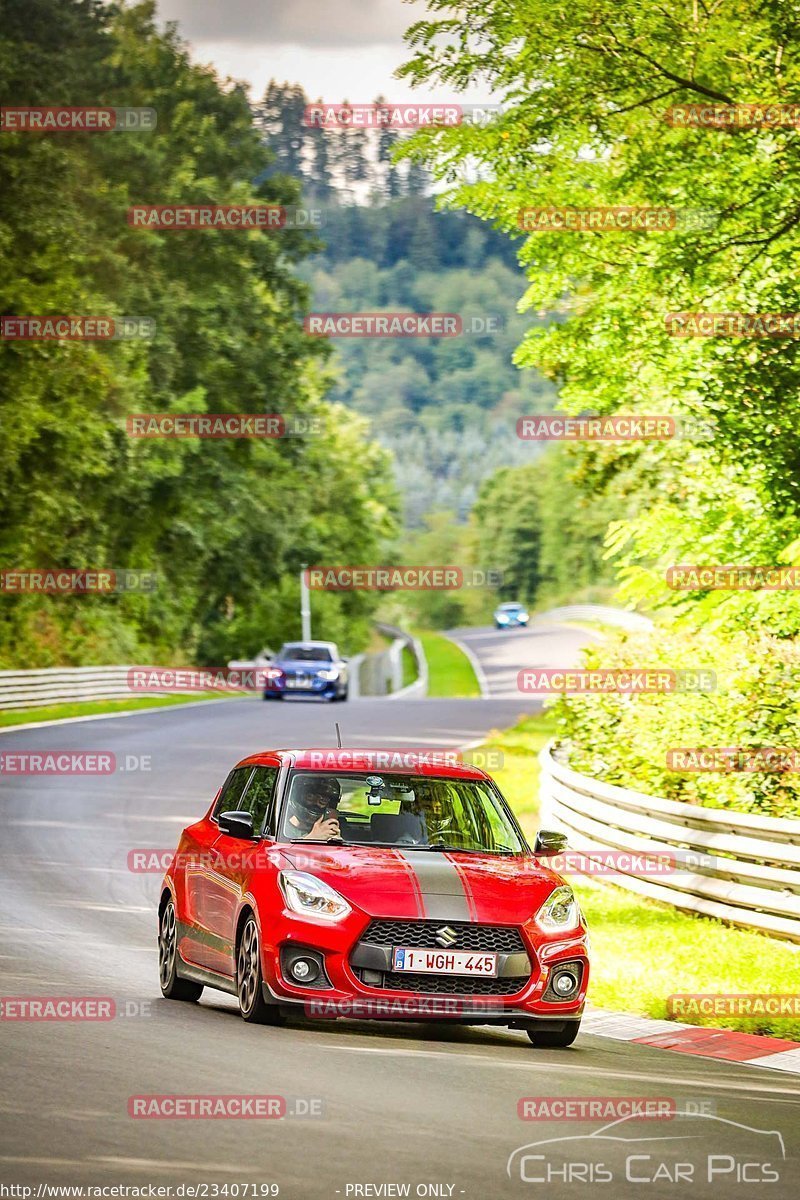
x: 713, y: 1150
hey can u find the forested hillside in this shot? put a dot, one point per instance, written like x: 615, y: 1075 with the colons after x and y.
x: 446, y: 407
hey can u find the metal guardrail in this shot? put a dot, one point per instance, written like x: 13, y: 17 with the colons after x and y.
x: 747, y: 870
x: 381, y: 674
x: 62, y: 685
x: 621, y: 617
x: 370, y: 674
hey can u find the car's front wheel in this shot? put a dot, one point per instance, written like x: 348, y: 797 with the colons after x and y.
x: 554, y: 1038
x: 172, y: 986
x: 249, y: 979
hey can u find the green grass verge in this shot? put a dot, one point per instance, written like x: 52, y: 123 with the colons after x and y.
x: 91, y: 708
x: 409, y: 664
x: 450, y: 672
x: 642, y: 951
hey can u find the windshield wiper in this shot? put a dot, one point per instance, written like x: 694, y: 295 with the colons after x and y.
x: 442, y: 846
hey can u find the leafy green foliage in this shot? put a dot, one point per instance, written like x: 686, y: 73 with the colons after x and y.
x: 586, y: 89
x: 537, y: 526
x: 446, y: 407
x: 226, y: 524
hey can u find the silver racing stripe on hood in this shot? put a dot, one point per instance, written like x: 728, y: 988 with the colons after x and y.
x: 440, y: 886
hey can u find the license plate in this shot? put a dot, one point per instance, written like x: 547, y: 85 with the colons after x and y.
x: 443, y: 962
x: 298, y: 683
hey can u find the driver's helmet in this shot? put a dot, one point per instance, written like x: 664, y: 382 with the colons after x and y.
x: 313, y: 796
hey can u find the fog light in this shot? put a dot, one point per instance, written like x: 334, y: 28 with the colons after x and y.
x: 304, y: 969
x: 564, y: 983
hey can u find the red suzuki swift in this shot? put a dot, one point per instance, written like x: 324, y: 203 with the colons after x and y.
x: 373, y: 883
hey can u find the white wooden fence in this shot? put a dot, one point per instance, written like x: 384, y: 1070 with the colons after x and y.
x: 746, y: 869
x: 62, y: 685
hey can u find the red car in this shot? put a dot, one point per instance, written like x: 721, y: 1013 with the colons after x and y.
x: 373, y: 884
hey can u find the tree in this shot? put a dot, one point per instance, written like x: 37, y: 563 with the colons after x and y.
x: 222, y: 523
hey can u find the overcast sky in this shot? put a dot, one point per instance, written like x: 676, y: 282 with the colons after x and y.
x: 337, y: 49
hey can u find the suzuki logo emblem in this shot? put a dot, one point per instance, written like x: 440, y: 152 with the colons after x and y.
x: 446, y: 937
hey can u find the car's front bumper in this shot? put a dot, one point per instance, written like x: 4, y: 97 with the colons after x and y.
x: 317, y: 687
x: 516, y: 996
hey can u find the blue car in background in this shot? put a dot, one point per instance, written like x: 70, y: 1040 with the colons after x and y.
x: 307, y: 669
x: 511, y: 616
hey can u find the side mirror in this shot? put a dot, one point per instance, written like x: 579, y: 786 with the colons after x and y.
x: 237, y: 824
x: 549, y: 842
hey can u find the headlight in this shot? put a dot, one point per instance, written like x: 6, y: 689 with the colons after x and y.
x: 502, y: 619
x: 311, y: 897
x: 274, y: 673
x: 328, y: 673
x: 559, y: 912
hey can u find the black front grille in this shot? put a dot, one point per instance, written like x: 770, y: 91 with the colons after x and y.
x: 451, y: 985
x: 502, y: 939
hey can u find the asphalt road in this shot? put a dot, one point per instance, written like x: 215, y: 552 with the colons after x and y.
x: 429, y: 1109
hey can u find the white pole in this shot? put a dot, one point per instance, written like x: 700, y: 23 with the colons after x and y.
x: 305, y: 607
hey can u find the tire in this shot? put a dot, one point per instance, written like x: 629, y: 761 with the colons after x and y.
x: 546, y: 1039
x: 172, y: 986
x: 249, y: 979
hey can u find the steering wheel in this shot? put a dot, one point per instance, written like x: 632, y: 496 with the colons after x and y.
x: 445, y: 837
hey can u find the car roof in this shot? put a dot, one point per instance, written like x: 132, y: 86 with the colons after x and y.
x: 391, y: 760
x: 511, y: 604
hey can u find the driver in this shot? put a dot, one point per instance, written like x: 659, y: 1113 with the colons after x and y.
x: 312, y: 808
x: 437, y: 810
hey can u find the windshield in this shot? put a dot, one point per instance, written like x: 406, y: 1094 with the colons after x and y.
x: 398, y: 810
x: 306, y: 653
